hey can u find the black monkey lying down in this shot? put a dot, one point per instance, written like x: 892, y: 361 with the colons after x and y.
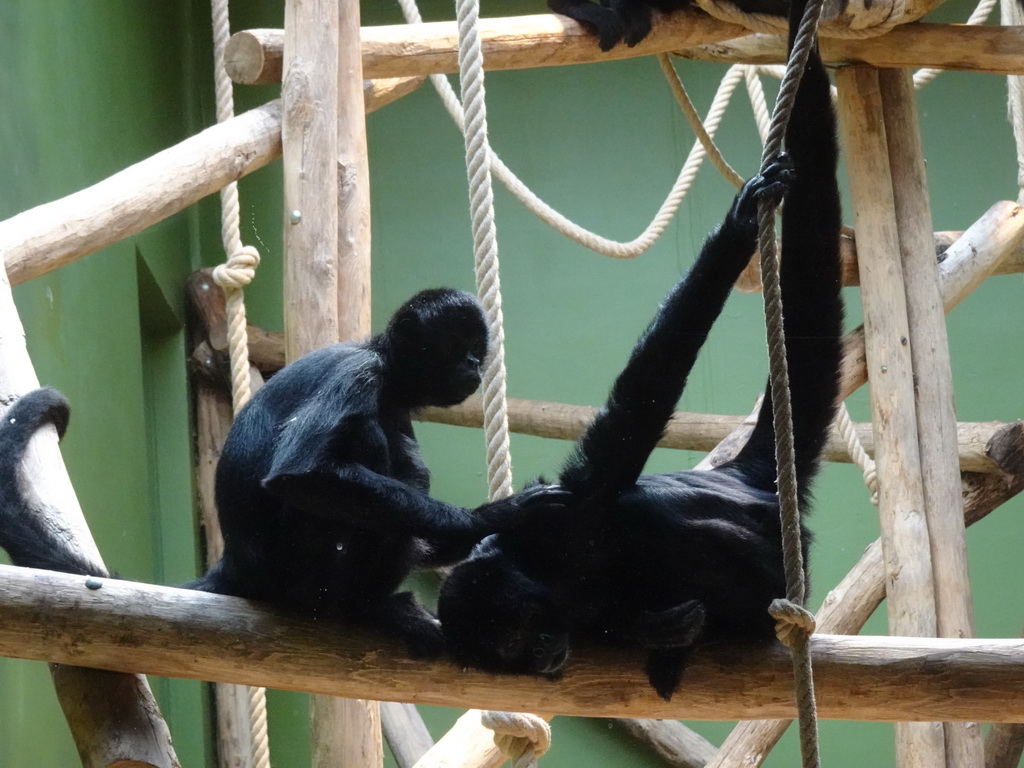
x: 321, y: 491
x: 629, y: 21
x: 664, y: 562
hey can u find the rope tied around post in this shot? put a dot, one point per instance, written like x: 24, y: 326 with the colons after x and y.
x: 796, y: 622
x: 522, y: 737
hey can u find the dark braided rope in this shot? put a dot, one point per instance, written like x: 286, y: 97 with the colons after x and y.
x: 797, y: 623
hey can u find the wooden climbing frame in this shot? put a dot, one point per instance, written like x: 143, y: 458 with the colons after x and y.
x: 919, y: 563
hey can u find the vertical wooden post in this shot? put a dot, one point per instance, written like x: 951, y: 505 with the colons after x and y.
x: 212, y: 408
x: 309, y: 92
x: 321, y: 41
x: 933, y: 377
x: 905, y: 542
x: 358, y: 720
x: 353, y: 182
x: 213, y: 420
x: 405, y: 732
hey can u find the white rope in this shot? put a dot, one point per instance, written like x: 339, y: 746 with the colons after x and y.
x: 762, y: 118
x: 522, y: 738
x: 602, y: 245
x: 233, y: 276
x: 690, y: 112
x: 523, y: 744
x: 855, y: 448
x: 485, y: 246
x: 1012, y: 14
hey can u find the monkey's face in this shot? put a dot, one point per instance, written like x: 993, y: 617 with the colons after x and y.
x: 457, y: 362
x: 439, y: 342
x: 496, y: 619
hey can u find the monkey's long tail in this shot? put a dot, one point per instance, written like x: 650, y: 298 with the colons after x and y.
x: 30, y: 537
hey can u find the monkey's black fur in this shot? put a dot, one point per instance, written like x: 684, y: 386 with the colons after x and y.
x: 663, y: 562
x: 629, y: 21
x: 321, y: 491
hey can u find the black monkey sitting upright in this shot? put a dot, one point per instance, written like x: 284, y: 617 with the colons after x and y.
x: 336, y: 422
x: 663, y: 562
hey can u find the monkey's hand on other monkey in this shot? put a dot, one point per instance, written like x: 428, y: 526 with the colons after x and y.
x: 510, y: 512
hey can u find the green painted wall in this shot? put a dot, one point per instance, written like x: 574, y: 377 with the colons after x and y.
x: 87, y: 89
x: 104, y: 83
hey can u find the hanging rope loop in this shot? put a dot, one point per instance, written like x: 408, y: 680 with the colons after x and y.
x: 522, y: 737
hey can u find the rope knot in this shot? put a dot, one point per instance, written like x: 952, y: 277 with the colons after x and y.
x: 792, y: 621
x: 239, y: 270
x: 523, y: 737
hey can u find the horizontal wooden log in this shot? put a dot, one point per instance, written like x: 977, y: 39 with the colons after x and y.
x: 125, y: 626
x: 519, y: 42
x: 51, y: 235
x: 703, y: 431
x: 981, y: 444
x: 940, y: 46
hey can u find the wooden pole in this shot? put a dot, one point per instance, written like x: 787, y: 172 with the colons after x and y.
x: 351, y: 727
x: 941, y: 46
x: 49, y: 236
x: 674, y: 742
x: 113, y: 718
x: 126, y: 626
x: 702, y: 431
x: 522, y: 42
x: 933, y: 386
x: 353, y: 185
x: 310, y: 92
x: 466, y: 744
x: 905, y: 540
x: 405, y: 732
x: 309, y: 95
x: 40, y: 240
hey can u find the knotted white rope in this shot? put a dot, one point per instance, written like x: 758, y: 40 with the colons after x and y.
x: 242, y: 261
x: 522, y: 738
x: 232, y: 277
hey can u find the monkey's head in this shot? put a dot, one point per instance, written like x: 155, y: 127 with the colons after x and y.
x: 497, y: 619
x: 434, y: 347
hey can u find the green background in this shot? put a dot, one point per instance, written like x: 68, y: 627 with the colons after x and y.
x: 89, y: 87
